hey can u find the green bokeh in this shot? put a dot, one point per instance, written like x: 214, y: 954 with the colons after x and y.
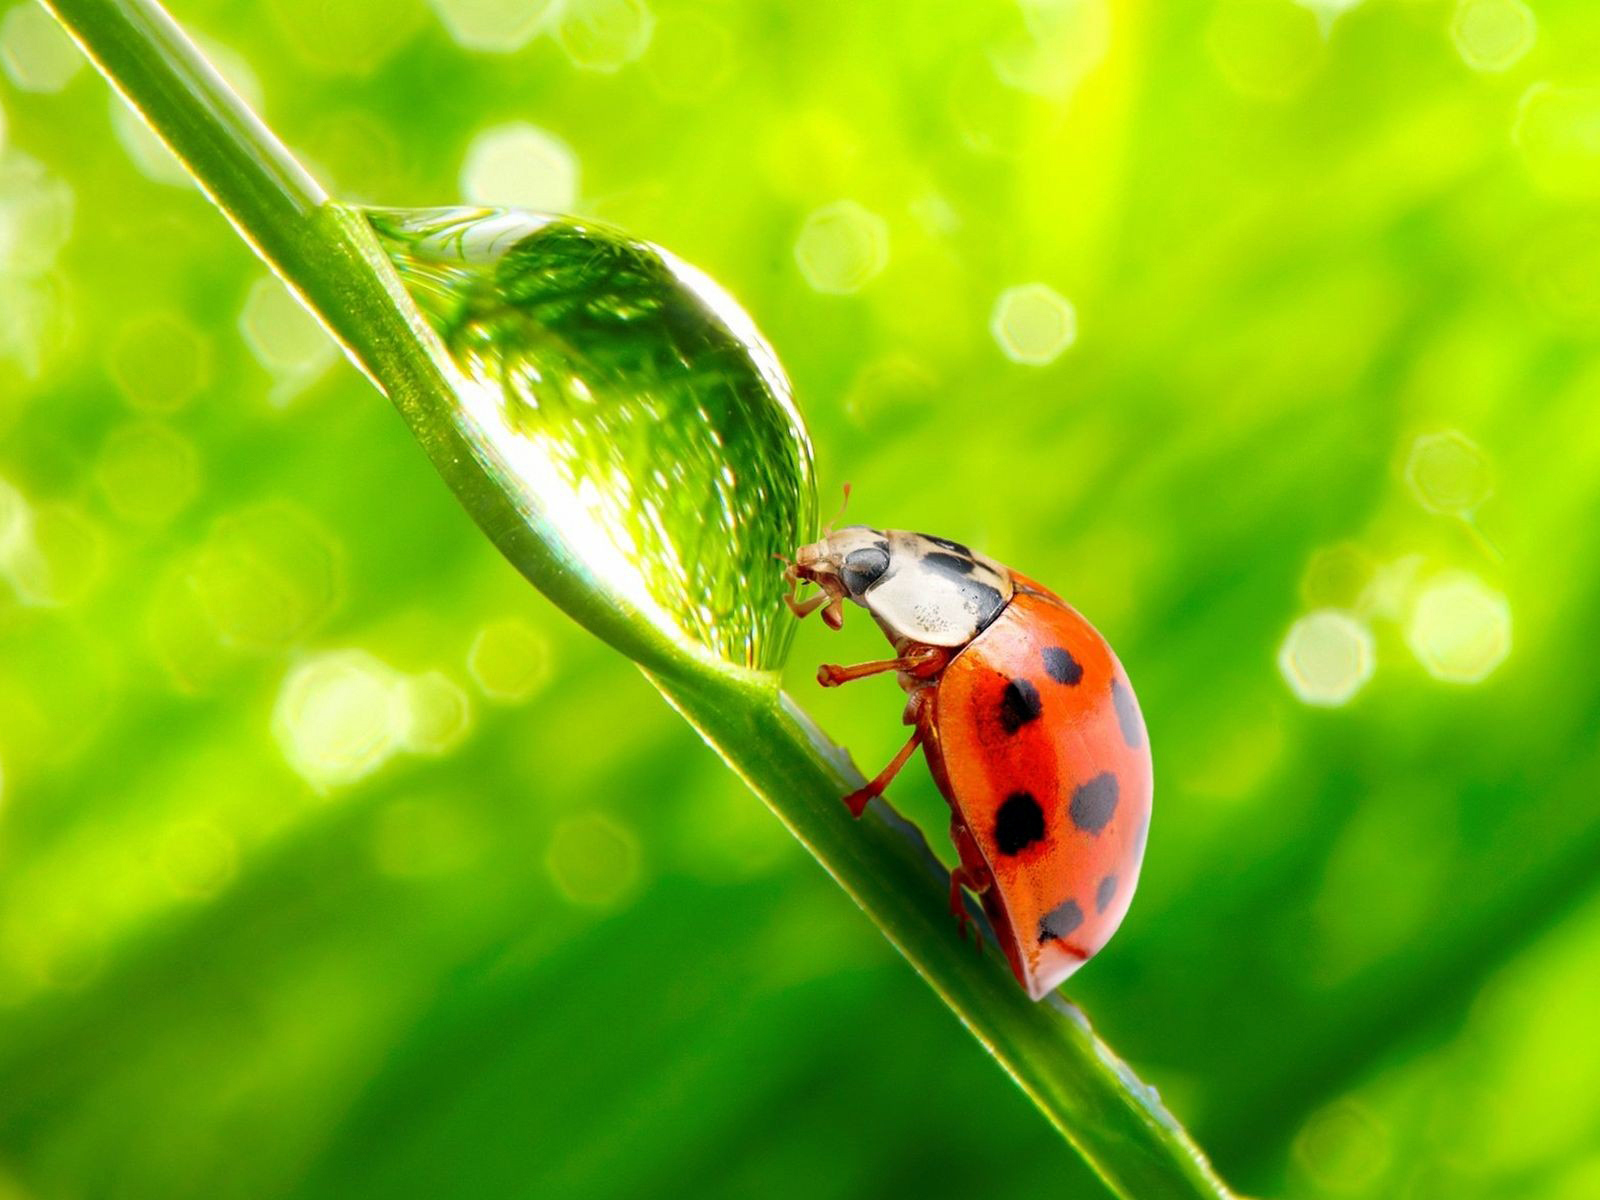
x: 302, y: 790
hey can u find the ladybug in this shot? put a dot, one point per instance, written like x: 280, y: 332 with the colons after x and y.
x: 1029, y: 726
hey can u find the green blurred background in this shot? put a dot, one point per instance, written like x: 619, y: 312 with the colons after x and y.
x: 335, y: 862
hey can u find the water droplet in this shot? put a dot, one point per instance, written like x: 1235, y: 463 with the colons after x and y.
x: 520, y: 164
x: 842, y: 247
x: 340, y: 716
x: 630, y: 411
x: 1327, y: 657
x: 493, y: 26
x: 35, y: 51
x: 593, y: 860
x: 1033, y: 324
x: 605, y: 35
x: 509, y: 660
x: 1460, y: 628
x: 1493, y: 35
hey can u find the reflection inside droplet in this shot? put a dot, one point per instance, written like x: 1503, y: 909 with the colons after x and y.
x: 628, y: 406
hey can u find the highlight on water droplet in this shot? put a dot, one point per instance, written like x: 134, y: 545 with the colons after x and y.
x: 35, y: 51
x: 629, y: 412
x: 1448, y: 473
x: 509, y: 660
x: 1327, y: 657
x: 1033, y: 324
x: 521, y: 164
x: 340, y: 716
x: 1493, y: 35
x: 594, y: 861
x: 1459, y: 628
x: 842, y: 247
x: 494, y: 26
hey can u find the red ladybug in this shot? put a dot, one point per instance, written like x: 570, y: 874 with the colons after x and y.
x: 1029, y: 725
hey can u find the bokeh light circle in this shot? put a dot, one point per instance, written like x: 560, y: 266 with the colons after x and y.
x: 1327, y: 657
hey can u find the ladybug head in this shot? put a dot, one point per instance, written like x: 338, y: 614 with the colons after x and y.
x: 844, y: 563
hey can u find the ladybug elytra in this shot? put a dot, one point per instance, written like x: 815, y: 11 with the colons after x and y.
x: 1029, y: 726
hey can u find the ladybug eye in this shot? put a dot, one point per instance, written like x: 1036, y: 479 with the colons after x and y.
x: 862, y: 568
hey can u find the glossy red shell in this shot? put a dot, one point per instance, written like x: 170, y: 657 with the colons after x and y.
x: 1037, y: 742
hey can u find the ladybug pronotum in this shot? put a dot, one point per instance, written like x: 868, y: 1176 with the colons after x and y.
x: 1029, y: 725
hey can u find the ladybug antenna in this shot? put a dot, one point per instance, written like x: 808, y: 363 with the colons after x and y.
x: 838, y: 516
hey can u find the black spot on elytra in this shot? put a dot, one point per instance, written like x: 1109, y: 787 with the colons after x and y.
x: 983, y: 601
x: 1019, y: 704
x: 1019, y: 823
x: 1104, y: 893
x: 957, y: 547
x: 864, y: 567
x: 1060, y: 921
x: 1061, y: 666
x: 1094, y: 803
x: 1128, y: 718
x: 952, y: 564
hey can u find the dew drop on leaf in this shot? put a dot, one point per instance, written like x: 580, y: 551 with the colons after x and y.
x: 630, y: 409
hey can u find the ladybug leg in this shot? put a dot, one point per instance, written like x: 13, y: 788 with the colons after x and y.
x: 857, y: 800
x: 804, y: 608
x: 972, y: 874
x: 832, y: 675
